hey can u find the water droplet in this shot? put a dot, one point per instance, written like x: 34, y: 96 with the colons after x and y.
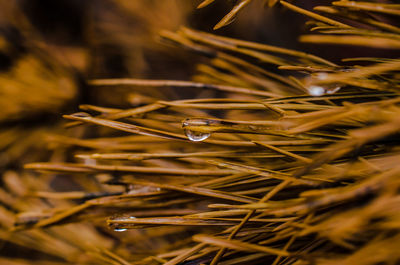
x: 321, y: 76
x: 120, y: 229
x: 140, y: 189
x: 333, y: 90
x: 196, y: 136
x: 89, y: 161
x: 81, y: 115
x: 132, y: 217
x: 316, y: 91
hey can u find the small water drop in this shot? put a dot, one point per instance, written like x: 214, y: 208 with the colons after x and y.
x: 196, y: 136
x: 316, y: 91
x: 81, y: 115
x: 89, y: 161
x: 140, y: 189
x: 333, y: 90
x: 321, y: 76
x: 120, y: 229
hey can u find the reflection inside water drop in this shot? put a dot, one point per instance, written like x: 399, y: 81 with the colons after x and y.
x: 120, y: 229
x: 196, y: 136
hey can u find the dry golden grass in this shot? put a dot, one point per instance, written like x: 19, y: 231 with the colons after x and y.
x: 268, y: 156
